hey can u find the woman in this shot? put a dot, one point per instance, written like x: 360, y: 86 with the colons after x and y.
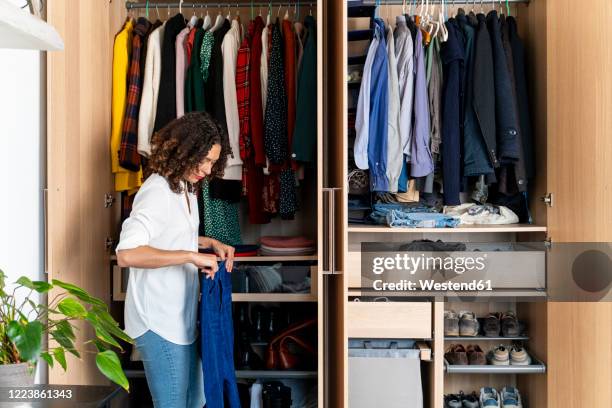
x: 159, y: 242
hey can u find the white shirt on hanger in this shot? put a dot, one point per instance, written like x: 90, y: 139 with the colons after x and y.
x: 150, y: 91
x: 163, y: 300
x: 362, y: 115
x: 229, y: 49
x: 263, y: 69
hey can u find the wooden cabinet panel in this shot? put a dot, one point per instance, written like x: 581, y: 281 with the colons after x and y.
x: 395, y: 320
x: 579, y: 167
x: 78, y: 131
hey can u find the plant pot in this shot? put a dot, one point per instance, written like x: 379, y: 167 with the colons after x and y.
x: 16, y: 375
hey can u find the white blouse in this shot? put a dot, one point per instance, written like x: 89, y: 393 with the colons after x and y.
x: 163, y: 300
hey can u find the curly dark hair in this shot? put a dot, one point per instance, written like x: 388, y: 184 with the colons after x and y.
x: 183, y: 144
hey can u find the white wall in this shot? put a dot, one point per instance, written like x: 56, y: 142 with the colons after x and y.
x: 22, y: 153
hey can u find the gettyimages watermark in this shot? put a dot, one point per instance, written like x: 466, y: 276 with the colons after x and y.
x: 573, y: 272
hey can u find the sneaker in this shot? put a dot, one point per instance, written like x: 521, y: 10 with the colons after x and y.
x: 451, y: 323
x: 509, y: 325
x: 489, y: 397
x: 510, y: 398
x: 519, y: 356
x: 468, y: 325
x: 491, y: 325
x: 475, y: 355
x: 470, y: 401
x: 499, y: 356
x: 456, y: 355
x: 452, y: 401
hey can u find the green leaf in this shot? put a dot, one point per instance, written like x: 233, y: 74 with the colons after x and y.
x: 101, y: 346
x: 110, y: 325
x: 42, y: 286
x: 79, y: 293
x: 72, y: 308
x: 47, y: 357
x: 25, y: 281
x: 65, y: 328
x: 60, y: 357
x: 27, y: 338
x: 108, y: 363
x: 105, y: 337
x: 65, y: 342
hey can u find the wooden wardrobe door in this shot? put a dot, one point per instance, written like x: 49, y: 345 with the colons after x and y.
x: 579, y: 175
x: 78, y: 162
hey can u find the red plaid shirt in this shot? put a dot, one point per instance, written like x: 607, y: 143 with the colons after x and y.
x: 242, y: 94
x: 129, y: 158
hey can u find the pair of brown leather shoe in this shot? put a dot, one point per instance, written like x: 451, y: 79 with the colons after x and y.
x: 459, y: 355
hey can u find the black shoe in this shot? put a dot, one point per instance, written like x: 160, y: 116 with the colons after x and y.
x: 276, y: 395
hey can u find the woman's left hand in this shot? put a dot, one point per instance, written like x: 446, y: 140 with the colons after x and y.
x: 225, y: 252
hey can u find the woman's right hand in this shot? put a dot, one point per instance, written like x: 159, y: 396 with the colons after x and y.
x: 206, y: 262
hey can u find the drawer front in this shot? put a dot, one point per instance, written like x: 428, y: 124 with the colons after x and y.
x: 389, y: 320
x: 352, y: 268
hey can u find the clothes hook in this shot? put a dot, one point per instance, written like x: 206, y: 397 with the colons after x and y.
x: 180, y: 6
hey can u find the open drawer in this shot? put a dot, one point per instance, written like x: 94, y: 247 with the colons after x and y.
x: 408, y: 320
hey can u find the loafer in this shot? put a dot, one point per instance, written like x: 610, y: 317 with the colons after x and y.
x: 451, y: 323
x: 456, y: 355
x: 475, y: 355
x: 468, y: 325
x: 452, y: 401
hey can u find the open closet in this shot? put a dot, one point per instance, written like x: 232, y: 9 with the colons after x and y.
x: 277, y: 282
x: 556, y: 80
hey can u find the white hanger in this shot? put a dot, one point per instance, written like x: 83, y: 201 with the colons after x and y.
x: 286, y: 17
x: 443, y: 29
x: 194, y: 19
x: 207, y: 20
x: 180, y: 6
x: 218, y: 22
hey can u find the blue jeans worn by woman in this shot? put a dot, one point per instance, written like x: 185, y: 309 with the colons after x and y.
x: 173, y: 371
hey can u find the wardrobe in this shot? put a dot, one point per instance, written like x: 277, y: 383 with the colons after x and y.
x: 571, y: 100
x: 571, y: 134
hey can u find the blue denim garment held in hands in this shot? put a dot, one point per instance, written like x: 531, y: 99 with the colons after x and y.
x: 217, y: 340
x: 173, y: 371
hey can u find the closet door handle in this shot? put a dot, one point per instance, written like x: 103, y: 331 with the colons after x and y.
x: 329, y: 222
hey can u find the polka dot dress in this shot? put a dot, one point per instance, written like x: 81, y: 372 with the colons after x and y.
x: 205, y: 53
x: 220, y: 218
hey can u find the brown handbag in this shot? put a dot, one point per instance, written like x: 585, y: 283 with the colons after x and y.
x: 278, y: 355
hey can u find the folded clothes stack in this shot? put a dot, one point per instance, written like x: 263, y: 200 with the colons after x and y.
x: 286, y: 246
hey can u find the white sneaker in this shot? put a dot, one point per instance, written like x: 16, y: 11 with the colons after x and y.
x: 511, y: 397
x: 489, y: 398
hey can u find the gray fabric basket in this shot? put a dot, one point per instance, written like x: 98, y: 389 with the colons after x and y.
x: 387, y: 377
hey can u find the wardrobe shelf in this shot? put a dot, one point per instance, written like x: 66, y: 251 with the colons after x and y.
x: 263, y: 258
x: 537, y: 367
x: 273, y: 297
x: 276, y: 374
x: 483, y: 338
x: 458, y: 230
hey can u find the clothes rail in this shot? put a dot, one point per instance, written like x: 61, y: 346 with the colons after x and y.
x: 217, y: 4
x: 417, y: 3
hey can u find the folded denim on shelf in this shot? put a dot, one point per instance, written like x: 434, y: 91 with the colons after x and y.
x: 396, y: 218
x: 482, y: 214
x: 381, y: 210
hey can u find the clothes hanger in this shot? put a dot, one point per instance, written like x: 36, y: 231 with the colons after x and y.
x: 180, y: 6
x: 507, y: 8
x: 194, y: 18
x: 219, y: 21
x: 207, y: 19
x: 286, y: 17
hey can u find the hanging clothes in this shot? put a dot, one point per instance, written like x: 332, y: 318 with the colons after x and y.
x: 475, y: 159
x: 243, y: 94
x: 256, y: 114
x: 518, y: 53
x: 215, y: 98
x: 194, y: 84
x: 166, y: 105
x: 421, y: 163
x: 452, y: 54
x: 289, y: 53
x: 305, y: 133
x: 150, y: 91
x: 395, y: 156
x: 129, y: 157
x: 220, y: 218
x: 205, y: 53
x: 275, y: 132
x: 404, y: 53
x: 181, y: 70
x: 229, y: 51
x: 124, y: 179
x: 265, y: 52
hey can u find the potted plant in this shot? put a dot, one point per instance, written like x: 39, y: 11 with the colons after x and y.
x: 24, y: 323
